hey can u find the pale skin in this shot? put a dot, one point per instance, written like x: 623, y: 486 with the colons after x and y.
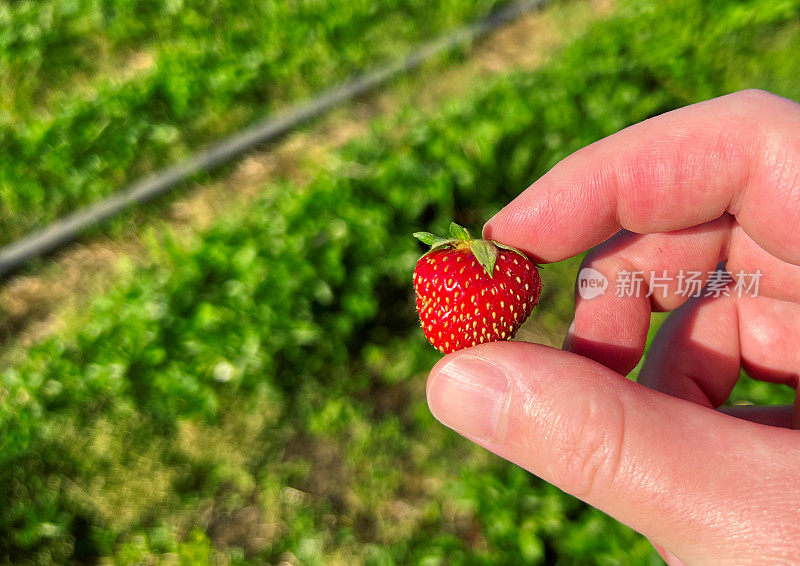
x: 712, y: 182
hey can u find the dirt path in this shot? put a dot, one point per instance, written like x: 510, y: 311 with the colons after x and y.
x: 33, y: 306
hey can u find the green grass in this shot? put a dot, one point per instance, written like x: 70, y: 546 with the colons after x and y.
x: 255, y: 394
x: 95, y: 94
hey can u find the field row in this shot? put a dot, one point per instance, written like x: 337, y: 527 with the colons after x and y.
x: 96, y: 94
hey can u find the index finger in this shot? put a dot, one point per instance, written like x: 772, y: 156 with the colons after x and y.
x: 739, y: 153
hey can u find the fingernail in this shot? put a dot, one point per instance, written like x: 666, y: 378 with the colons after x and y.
x: 469, y: 395
x: 568, y: 338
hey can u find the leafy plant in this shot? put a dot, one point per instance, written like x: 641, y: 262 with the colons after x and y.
x: 97, y: 93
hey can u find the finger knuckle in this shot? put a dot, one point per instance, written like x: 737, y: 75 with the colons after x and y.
x: 590, y: 445
x: 756, y: 102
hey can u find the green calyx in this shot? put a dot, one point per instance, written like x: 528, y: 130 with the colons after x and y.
x: 485, y: 251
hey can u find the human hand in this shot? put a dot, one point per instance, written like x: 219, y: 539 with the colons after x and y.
x: 715, y: 181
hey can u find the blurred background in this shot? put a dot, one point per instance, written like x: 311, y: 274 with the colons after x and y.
x: 233, y: 374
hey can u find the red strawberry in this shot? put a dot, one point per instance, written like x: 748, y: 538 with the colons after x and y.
x: 472, y: 291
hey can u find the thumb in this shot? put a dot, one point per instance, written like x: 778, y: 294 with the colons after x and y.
x: 704, y: 485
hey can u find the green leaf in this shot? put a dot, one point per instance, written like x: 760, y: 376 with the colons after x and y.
x: 426, y: 238
x: 435, y: 242
x: 486, y: 254
x: 459, y: 232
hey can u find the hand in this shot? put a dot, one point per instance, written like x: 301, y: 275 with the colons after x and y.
x: 715, y: 181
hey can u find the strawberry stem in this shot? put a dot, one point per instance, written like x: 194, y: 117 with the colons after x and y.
x: 485, y: 251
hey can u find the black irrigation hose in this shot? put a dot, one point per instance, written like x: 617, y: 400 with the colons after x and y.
x: 68, y: 228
